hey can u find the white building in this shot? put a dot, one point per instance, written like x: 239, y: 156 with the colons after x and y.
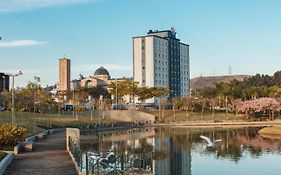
x: 161, y: 60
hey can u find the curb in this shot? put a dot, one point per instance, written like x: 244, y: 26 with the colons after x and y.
x: 6, y: 162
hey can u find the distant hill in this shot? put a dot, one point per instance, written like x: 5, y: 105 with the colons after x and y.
x: 200, y: 82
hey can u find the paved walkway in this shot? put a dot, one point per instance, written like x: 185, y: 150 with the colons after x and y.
x: 48, y: 158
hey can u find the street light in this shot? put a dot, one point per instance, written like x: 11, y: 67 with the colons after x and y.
x: 91, y: 104
x: 100, y: 108
x: 13, y: 93
x: 36, y: 80
x: 116, y: 93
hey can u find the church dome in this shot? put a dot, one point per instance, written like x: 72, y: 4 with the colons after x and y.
x: 101, y: 71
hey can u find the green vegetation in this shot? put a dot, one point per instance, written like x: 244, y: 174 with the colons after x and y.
x: 257, y: 86
x: 10, y: 134
x: 274, y: 130
x: 255, y: 97
x: 27, y: 97
x: 2, y: 155
x: 129, y: 87
x: 168, y: 116
x: 35, y: 123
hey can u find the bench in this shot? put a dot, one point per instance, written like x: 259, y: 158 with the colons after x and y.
x: 42, y: 135
x: 28, y: 146
x: 18, y: 148
x: 31, y: 138
x: 51, y: 131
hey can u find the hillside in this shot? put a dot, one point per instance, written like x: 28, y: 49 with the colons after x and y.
x: 200, y: 82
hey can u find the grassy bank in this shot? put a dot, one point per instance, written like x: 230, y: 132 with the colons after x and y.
x: 2, y: 155
x: 168, y: 116
x: 274, y: 130
x: 35, y: 123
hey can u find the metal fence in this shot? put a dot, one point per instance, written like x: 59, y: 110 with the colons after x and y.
x: 111, y: 163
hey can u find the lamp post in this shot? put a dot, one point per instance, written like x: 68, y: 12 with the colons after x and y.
x: 36, y: 80
x: 116, y: 94
x: 13, y: 93
x: 91, y: 104
x: 64, y: 101
x: 73, y: 97
x: 100, y: 108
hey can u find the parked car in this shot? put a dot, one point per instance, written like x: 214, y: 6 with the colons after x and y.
x: 119, y: 107
x: 68, y: 107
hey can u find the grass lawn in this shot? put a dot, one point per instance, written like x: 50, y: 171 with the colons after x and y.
x: 2, y: 155
x: 274, y: 130
x: 182, y: 116
x: 35, y: 123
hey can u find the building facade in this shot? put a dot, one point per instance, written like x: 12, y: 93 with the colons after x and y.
x: 64, y: 74
x: 161, y: 60
x: 4, y: 82
x: 101, y: 77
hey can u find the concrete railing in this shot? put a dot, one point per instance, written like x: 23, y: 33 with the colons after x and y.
x: 5, y: 162
x: 73, y: 147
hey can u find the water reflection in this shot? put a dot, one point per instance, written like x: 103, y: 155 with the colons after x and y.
x: 181, y: 151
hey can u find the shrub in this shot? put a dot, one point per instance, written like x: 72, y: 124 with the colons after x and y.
x: 10, y: 134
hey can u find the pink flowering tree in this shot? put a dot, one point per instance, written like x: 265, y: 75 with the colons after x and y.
x: 256, y: 107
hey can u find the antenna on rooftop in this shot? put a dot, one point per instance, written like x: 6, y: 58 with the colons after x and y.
x: 229, y: 71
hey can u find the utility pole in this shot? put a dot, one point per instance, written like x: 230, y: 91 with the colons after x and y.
x: 13, y: 94
x: 36, y: 80
x: 116, y: 93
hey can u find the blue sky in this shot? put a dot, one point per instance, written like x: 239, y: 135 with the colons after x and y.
x: 243, y: 34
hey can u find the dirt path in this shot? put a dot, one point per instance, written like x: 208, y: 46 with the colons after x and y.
x: 49, y: 158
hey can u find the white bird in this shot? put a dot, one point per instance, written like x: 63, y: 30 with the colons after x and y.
x: 209, y: 142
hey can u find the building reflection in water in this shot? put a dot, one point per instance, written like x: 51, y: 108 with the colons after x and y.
x: 171, y: 149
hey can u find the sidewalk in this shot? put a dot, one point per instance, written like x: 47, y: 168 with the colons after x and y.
x: 49, y: 158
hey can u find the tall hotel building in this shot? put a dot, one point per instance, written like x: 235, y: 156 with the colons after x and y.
x: 64, y: 74
x: 161, y: 60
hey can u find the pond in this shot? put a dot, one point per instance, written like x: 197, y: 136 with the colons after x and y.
x: 180, y: 151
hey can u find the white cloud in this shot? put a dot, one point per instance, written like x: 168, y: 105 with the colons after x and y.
x: 22, y: 5
x: 21, y: 43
